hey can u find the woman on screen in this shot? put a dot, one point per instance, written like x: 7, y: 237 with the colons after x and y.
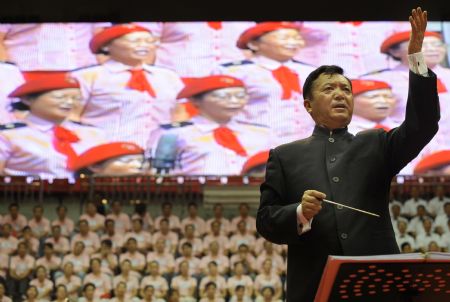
x: 124, y: 96
x: 194, y: 49
x: 213, y: 142
x: 45, y: 141
x: 373, y: 104
x: 117, y: 158
x: 273, y: 79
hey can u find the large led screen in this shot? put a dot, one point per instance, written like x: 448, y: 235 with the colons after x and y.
x: 196, y: 98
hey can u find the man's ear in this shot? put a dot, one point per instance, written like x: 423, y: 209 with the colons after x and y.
x: 307, y: 105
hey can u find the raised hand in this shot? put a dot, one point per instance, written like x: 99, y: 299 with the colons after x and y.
x: 418, y: 21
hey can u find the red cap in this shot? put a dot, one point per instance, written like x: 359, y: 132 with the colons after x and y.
x: 361, y: 86
x: 254, y: 161
x: 103, y: 152
x: 261, y: 29
x: 195, y: 86
x: 433, y: 161
x: 43, y: 83
x: 111, y: 33
x: 403, y: 36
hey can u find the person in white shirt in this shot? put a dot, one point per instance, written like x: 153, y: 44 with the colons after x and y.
x: 402, y: 236
x: 436, y: 204
x: 441, y: 222
x: 61, y: 294
x: 415, y: 225
x: 125, y: 96
x: 273, y: 79
x: 424, y: 239
x: 395, y: 208
x: 209, y: 295
x: 410, y: 206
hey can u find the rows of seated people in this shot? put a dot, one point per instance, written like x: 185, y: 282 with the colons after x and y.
x: 114, y: 256
x: 422, y: 225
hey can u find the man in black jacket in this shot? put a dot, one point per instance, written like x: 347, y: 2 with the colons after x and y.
x: 353, y: 169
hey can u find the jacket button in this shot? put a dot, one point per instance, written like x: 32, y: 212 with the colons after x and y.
x: 339, y: 207
x: 344, y: 235
x: 331, y: 140
x: 333, y: 159
x: 335, y: 179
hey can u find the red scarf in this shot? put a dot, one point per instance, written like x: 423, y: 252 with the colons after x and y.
x: 215, y: 25
x: 381, y: 126
x: 138, y: 81
x: 288, y: 80
x: 62, y: 142
x: 441, y: 87
x: 226, y: 138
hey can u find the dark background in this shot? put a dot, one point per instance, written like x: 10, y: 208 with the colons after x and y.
x: 203, y: 10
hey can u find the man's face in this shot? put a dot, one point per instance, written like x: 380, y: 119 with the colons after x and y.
x: 434, y: 51
x: 160, y: 245
x: 280, y: 45
x: 375, y: 105
x: 137, y: 226
x: 132, y: 245
x: 187, y: 251
x: 14, y: 211
x: 440, y: 192
x: 61, y: 212
x: 331, y: 105
x: 110, y: 227
x: 215, y: 226
x: 214, y: 247
x: 120, y: 289
x: 116, y: 207
x: 164, y: 226
x: 38, y: 212
x: 395, y: 209
x: 189, y: 231
x: 222, y: 104
x: 48, y: 251
x: 84, y: 228
x: 7, y: 230
x: 132, y: 48
x: 192, y: 210
x: 243, y: 210
x: 154, y: 268
x: 401, y: 226
x: 167, y: 210
x: 56, y: 231
x: 91, y: 209
x: 447, y: 208
x: 427, y: 225
x: 78, y: 248
x: 218, y: 210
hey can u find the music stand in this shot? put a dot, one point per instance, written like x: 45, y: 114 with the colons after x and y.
x: 387, y: 278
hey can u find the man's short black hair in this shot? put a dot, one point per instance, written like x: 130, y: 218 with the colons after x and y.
x: 107, y: 242
x: 13, y: 204
x: 324, y: 69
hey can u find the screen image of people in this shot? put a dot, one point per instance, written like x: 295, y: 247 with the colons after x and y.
x: 196, y: 98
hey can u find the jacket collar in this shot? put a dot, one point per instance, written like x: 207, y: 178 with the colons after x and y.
x: 325, y: 132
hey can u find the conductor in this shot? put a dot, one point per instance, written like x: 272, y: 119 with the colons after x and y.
x: 355, y: 170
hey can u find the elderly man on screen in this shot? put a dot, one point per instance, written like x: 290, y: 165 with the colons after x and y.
x: 346, y: 168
